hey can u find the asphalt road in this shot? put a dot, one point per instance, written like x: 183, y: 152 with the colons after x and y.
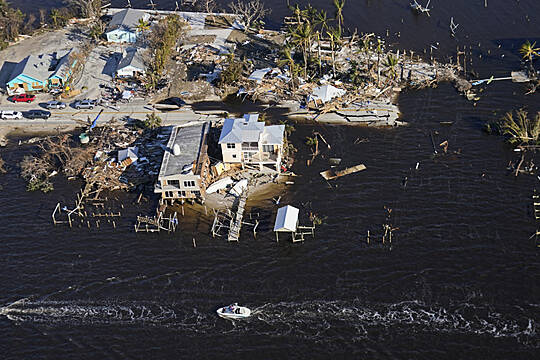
x: 133, y: 110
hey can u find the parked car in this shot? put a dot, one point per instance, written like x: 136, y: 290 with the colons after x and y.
x: 84, y: 104
x: 37, y: 114
x: 23, y: 98
x: 53, y: 104
x: 10, y: 115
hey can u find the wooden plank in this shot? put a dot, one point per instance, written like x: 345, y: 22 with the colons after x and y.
x: 331, y: 174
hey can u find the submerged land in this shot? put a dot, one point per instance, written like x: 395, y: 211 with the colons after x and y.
x: 144, y: 74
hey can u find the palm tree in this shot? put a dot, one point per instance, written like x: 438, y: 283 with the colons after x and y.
x: 528, y: 50
x: 320, y: 20
x: 143, y: 25
x: 391, y: 63
x: 313, y: 141
x: 287, y: 59
x: 379, y: 53
x: 302, y: 36
x: 335, y: 40
x: 54, y: 17
x: 152, y: 121
x: 339, y: 4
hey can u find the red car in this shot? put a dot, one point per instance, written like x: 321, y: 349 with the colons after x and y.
x: 23, y: 98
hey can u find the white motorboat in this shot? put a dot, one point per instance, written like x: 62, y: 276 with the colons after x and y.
x: 234, y: 312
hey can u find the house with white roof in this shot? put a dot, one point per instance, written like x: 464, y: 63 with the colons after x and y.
x: 248, y: 142
x: 123, y: 26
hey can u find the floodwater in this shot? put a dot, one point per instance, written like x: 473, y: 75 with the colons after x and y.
x: 459, y: 279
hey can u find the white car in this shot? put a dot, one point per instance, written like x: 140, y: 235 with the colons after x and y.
x: 55, y: 105
x: 11, y: 115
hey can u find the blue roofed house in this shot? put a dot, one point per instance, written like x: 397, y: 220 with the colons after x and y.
x: 123, y: 26
x: 248, y: 142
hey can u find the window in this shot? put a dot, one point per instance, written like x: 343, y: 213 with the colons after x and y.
x: 197, y: 193
x: 175, y: 183
x: 268, y: 148
x: 168, y: 194
x: 231, y: 146
x: 182, y: 193
x: 190, y: 183
x: 234, y: 156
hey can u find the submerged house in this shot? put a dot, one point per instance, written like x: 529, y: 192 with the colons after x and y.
x: 184, y: 171
x: 248, y: 142
x: 131, y: 65
x: 123, y: 26
x: 41, y: 72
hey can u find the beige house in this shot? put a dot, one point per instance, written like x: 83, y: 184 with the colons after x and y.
x: 248, y: 142
x: 184, y: 170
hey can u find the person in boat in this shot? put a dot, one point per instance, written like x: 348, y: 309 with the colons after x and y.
x: 237, y: 311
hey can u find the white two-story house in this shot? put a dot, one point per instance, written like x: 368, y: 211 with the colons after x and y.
x: 248, y: 142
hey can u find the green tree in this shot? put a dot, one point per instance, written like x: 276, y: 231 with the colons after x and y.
x: 302, y: 36
x: 97, y: 29
x: 143, y: 25
x: 339, y: 4
x: 152, y: 121
x: 287, y: 60
x: 528, y: 50
x: 391, y: 63
x: 54, y: 15
x: 334, y: 35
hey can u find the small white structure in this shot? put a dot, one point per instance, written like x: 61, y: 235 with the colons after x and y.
x: 286, y: 221
x: 129, y: 153
x: 325, y: 93
x: 131, y: 65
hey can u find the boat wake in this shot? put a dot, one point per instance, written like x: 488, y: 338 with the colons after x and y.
x: 317, y: 319
x: 310, y: 319
x: 109, y: 313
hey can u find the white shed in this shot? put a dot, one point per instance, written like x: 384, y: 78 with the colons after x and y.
x: 130, y: 152
x: 286, y: 220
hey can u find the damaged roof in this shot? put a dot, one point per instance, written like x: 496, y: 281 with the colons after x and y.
x: 246, y: 129
x: 133, y: 58
x: 189, y: 141
x: 126, y: 20
x: 36, y: 67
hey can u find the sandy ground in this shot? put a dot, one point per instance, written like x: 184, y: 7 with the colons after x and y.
x: 98, y: 69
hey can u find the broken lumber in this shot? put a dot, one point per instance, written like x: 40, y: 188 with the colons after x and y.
x: 331, y: 174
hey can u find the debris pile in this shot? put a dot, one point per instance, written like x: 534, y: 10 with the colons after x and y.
x: 97, y: 162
